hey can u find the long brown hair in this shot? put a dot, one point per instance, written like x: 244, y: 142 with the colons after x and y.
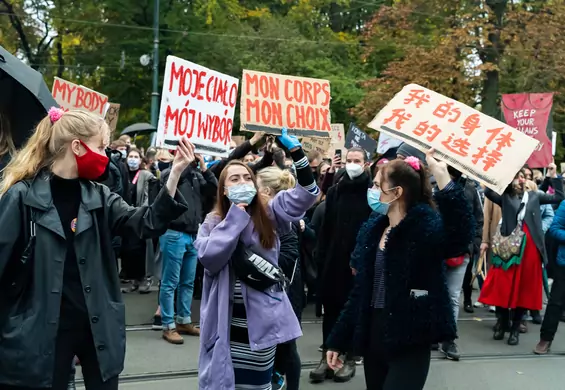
x: 416, y: 183
x: 257, y: 209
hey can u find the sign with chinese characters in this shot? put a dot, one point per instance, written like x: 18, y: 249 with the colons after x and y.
x: 529, y: 113
x: 71, y: 96
x: 357, y: 138
x: 270, y: 102
x: 198, y: 103
x: 476, y: 144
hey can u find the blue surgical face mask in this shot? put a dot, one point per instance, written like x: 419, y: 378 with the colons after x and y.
x: 133, y: 163
x: 241, y: 193
x: 374, y: 200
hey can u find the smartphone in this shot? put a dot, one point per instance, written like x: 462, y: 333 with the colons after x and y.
x: 338, y: 153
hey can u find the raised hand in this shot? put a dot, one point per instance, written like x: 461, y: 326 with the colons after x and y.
x: 184, y: 156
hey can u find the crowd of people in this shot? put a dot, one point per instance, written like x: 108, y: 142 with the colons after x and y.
x: 382, y: 246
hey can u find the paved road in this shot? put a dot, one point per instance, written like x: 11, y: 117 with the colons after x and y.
x: 499, y: 374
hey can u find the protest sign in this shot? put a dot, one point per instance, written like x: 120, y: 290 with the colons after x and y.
x: 529, y: 113
x: 71, y: 96
x: 387, y: 142
x: 320, y: 145
x: 357, y: 138
x: 337, y: 136
x: 112, y: 115
x: 270, y: 102
x: 476, y: 144
x: 197, y: 102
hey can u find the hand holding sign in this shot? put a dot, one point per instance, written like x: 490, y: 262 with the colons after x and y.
x: 438, y: 169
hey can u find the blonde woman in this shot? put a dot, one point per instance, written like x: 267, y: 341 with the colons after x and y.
x: 71, y: 304
x: 7, y: 148
x: 270, y: 182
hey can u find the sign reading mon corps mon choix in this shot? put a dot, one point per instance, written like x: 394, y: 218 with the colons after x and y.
x: 270, y: 102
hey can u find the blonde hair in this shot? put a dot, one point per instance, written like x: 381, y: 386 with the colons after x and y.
x: 6, y: 142
x: 276, y: 179
x: 531, y: 186
x: 48, y: 143
x: 164, y: 153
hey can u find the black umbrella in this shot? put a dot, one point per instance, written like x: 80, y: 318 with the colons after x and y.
x: 25, y: 98
x: 139, y: 128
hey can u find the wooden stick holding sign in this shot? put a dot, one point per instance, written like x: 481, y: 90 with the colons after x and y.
x: 476, y: 144
x: 270, y: 102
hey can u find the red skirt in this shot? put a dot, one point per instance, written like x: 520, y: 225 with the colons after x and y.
x: 519, y: 286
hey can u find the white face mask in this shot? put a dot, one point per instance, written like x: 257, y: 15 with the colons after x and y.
x: 353, y: 170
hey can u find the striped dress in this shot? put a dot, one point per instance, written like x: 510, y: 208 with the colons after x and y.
x: 253, y: 370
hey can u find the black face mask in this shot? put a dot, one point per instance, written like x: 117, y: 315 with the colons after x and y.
x: 163, y: 165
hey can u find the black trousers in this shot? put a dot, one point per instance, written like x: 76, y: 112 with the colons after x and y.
x: 555, y: 305
x: 331, y: 315
x: 133, y: 262
x: 71, y: 343
x: 406, y: 370
x: 287, y: 363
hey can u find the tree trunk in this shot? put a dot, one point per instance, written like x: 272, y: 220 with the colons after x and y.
x: 60, y: 59
x: 492, y: 54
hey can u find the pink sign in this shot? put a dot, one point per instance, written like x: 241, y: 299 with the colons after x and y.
x: 529, y: 114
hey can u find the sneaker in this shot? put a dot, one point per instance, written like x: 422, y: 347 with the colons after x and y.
x: 145, y: 287
x: 321, y: 348
x: 358, y: 361
x: 345, y: 373
x: 543, y: 347
x: 133, y: 287
x: 478, y: 305
x: 492, y: 309
x: 450, y: 350
x: 278, y: 381
x: 188, y: 329
x: 157, y: 323
x: 173, y: 337
x: 468, y: 308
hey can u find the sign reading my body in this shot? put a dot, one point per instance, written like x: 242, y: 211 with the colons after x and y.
x: 195, y: 84
x: 299, y: 96
x: 79, y: 98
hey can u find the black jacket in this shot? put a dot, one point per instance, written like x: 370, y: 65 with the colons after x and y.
x: 289, y: 261
x: 414, y: 260
x: 27, y: 337
x: 195, y: 186
x: 511, y: 205
x: 346, y: 209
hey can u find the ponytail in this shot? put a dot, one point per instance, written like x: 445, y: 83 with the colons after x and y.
x: 48, y: 143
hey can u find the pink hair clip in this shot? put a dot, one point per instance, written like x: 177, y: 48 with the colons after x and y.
x: 414, y: 162
x: 55, y: 114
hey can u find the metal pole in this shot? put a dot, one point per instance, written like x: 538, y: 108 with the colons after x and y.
x: 155, y: 93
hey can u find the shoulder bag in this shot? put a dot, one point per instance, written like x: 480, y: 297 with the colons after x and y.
x: 509, y: 250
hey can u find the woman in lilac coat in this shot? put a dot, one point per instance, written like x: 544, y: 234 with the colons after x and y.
x: 240, y: 326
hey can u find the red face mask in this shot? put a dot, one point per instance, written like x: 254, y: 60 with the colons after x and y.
x: 91, y: 165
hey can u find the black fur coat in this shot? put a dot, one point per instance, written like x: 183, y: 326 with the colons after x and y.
x: 414, y: 260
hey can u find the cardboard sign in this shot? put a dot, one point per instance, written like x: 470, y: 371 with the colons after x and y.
x: 270, y: 102
x: 476, y: 144
x: 197, y: 102
x: 529, y: 113
x: 357, y: 138
x: 112, y: 115
x: 321, y: 145
x: 337, y: 136
x: 71, y: 96
x: 387, y: 142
